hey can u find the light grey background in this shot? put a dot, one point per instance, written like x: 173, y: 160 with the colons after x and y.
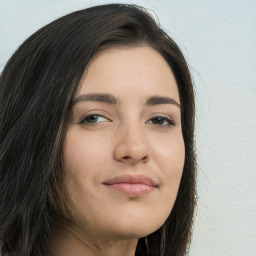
x: 219, y: 40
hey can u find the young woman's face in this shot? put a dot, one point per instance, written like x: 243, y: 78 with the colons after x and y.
x: 124, y: 149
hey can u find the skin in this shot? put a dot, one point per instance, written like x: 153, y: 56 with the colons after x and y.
x: 121, y: 139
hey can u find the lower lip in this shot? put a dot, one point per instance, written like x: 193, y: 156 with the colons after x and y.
x: 133, y: 190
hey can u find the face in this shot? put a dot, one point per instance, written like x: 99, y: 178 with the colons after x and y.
x: 124, y: 149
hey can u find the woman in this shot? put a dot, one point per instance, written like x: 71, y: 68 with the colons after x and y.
x: 97, y: 148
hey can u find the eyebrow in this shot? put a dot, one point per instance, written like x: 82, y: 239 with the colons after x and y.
x: 111, y: 99
x: 100, y: 97
x: 156, y: 100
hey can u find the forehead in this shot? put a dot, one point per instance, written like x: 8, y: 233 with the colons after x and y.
x: 140, y: 69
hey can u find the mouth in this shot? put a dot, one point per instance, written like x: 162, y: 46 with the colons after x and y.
x: 132, y: 185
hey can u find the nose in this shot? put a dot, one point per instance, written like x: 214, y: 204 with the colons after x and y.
x: 131, y: 146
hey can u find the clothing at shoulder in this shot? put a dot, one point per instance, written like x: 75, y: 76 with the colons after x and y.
x: 1, y: 251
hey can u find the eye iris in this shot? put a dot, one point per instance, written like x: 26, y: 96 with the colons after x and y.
x: 92, y: 119
x: 158, y: 120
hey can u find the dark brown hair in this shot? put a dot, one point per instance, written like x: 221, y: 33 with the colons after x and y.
x: 37, y: 86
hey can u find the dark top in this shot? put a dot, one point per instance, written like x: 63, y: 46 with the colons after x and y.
x: 1, y: 251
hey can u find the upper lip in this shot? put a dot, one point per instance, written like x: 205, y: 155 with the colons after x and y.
x: 132, y: 179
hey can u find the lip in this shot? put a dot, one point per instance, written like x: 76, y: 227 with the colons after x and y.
x: 132, y: 185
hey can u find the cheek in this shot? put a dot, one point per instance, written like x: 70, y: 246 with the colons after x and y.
x: 170, y: 157
x: 84, y: 158
x: 83, y: 153
x: 170, y: 153
x: 175, y: 159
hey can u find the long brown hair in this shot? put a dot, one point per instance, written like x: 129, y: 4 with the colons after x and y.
x: 36, y: 91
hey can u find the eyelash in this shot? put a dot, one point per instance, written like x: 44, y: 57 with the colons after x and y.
x: 83, y: 121
x: 170, y: 121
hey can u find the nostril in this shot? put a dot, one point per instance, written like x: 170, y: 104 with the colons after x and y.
x: 126, y: 157
x: 130, y: 157
x: 144, y: 158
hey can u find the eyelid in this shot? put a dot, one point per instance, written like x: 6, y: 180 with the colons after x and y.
x: 167, y: 117
x: 94, y: 113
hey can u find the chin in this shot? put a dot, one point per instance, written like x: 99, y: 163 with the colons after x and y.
x: 141, y: 222
x: 137, y: 229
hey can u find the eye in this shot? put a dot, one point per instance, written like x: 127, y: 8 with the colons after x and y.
x: 93, y: 119
x: 162, y: 121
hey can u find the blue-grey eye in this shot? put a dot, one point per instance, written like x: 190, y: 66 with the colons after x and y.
x: 92, y: 119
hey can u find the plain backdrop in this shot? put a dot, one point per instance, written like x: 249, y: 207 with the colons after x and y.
x: 218, y: 39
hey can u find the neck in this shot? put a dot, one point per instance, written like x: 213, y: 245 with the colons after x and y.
x: 74, y: 244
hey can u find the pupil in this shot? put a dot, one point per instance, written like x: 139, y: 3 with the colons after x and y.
x: 92, y: 119
x: 158, y: 120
